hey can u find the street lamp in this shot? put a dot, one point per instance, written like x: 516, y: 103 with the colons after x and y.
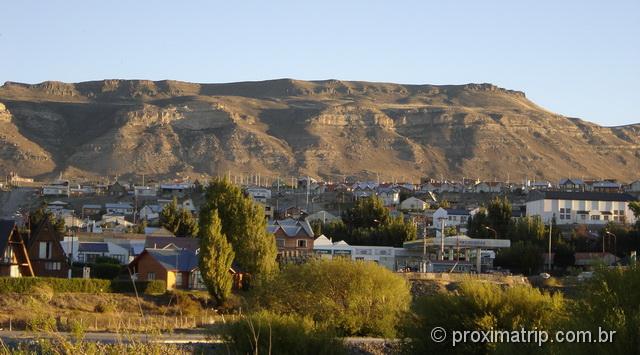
x: 495, y: 233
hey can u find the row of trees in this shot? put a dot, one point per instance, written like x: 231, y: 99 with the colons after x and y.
x: 368, y: 222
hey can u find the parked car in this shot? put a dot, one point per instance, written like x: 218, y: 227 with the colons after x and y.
x: 585, y: 275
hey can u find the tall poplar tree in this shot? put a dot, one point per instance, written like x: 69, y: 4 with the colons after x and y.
x: 215, y: 258
x: 243, y: 223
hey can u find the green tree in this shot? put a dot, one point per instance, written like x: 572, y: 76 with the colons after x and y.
x: 243, y: 223
x: 564, y: 256
x: 178, y: 220
x: 483, y: 306
x: 37, y: 216
x: 215, y: 258
x: 368, y: 212
x: 634, y: 206
x: 528, y: 229
x: 476, y: 225
x: 499, y: 216
x: 355, y: 298
x: 522, y: 257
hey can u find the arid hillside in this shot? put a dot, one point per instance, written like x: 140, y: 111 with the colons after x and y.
x: 327, y: 129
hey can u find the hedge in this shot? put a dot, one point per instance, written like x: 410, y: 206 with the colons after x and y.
x: 25, y: 285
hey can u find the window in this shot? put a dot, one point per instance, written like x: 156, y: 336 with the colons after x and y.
x: 565, y: 213
x: 280, y: 243
x: 151, y: 276
x: 583, y: 216
x: 618, y: 215
x: 595, y: 217
x: 360, y: 258
x: 8, y: 255
x: 45, y: 250
x: 52, y: 266
x: 302, y: 243
x: 178, y: 279
x: 606, y: 217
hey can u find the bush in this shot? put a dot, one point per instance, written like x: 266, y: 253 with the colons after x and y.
x: 42, y: 323
x: 144, y: 287
x: 26, y: 285
x: 107, y: 260
x: 268, y: 333
x: 105, y: 307
x: 481, y: 306
x: 105, y: 271
x: 58, y: 285
x: 356, y: 298
x: 609, y: 301
x: 42, y: 292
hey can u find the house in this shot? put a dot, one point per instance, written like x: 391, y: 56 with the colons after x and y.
x: 413, y: 204
x: 177, y: 190
x: 259, y: 194
x: 364, y: 189
x: 178, y: 268
x: 117, y: 190
x: 144, y: 191
x: 606, y: 186
x: 119, y: 209
x: 150, y: 212
x: 325, y: 248
x: 56, y: 190
x: 171, y: 242
x: 293, y: 237
x: 323, y: 216
x: 572, y: 185
x: 90, y: 210
x: 634, y: 187
x: 581, y: 207
x: 389, y: 196
x: 488, y: 187
x: 48, y: 259
x: 539, y: 185
x: 15, y: 260
x: 450, y: 216
x: 86, y: 247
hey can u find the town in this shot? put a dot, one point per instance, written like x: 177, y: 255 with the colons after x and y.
x: 85, y: 222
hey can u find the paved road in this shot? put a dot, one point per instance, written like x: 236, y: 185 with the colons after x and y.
x: 11, y: 337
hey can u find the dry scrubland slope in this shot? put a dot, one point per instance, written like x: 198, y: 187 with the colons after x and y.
x: 287, y: 127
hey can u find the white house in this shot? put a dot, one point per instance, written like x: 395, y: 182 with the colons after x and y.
x: 364, y: 189
x: 450, y: 216
x: 259, y: 194
x: 389, y: 196
x: 385, y: 256
x: 634, y: 186
x: 413, y: 204
x: 150, y: 212
x: 581, y: 207
x: 489, y: 186
x: 122, y: 209
x: 144, y: 191
x: 56, y: 190
x: 188, y: 205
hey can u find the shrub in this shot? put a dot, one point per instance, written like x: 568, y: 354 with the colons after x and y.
x: 185, y: 304
x: 357, y: 298
x: 25, y: 285
x: 42, y: 323
x: 104, y: 307
x: 42, y: 292
x: 481, y: 306
x: 105, y: 271
x: 269, y: 333
x: 106, y: 260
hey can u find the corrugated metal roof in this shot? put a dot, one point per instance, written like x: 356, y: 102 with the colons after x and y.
x: 181, y: 260
x: 93, y: 247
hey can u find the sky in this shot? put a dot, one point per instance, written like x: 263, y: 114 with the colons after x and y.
x: 576, y: 58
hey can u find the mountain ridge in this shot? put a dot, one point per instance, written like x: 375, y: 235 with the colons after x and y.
x: 324, y: 128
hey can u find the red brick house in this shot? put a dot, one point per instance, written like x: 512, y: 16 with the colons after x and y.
x: 293, y: 237
x: 14, y: 259
x: 48, y: 259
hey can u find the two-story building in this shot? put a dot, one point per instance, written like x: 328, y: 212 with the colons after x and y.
x: 580, y: 207
x: 293, y: 237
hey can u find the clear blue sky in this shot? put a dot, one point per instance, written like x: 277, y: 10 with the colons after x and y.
x: 577, y: 58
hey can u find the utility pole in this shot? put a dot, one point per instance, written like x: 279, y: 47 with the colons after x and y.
x: 442, y: 239
x: 549, y: 254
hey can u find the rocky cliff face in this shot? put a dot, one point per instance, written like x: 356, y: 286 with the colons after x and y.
x: 288, y: 127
